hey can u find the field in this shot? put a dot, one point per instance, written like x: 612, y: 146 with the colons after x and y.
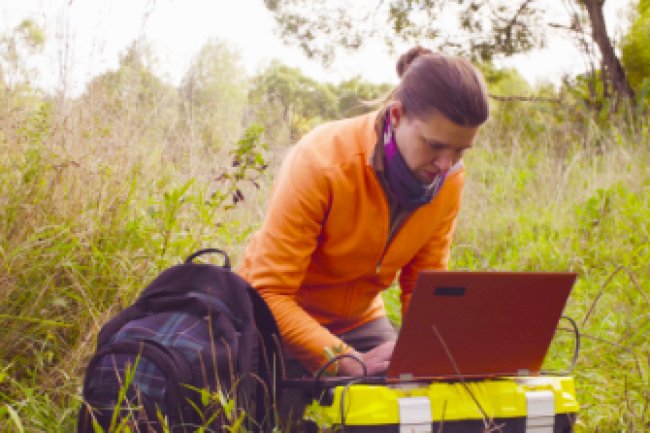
x: 96, y: 199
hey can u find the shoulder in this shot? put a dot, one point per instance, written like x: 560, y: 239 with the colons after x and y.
x: 455, y: 177
x: 457, y: 171
x: 339, y: 142
x: 452, y: 188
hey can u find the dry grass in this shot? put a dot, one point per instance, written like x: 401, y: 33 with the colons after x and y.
x: 99, y: 194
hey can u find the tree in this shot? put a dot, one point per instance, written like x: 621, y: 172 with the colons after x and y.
x: 214, y: 92
x: 636, y: 50
x: 283, y: 97
x: 15, y: 48
x: 129, y: 105
x: 20, y: 103
x: 357, y: 96
x: 482, y: 29
x: 611, y: 64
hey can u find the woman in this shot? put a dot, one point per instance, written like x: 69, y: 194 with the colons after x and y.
x: 358, y: 201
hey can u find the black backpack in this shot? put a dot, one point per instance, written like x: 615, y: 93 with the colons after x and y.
x: 198, y: 348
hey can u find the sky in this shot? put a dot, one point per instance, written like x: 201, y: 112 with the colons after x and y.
x: 90, y: 34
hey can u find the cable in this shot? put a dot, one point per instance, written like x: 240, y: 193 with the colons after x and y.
x: 488, y: 423
x: 351, y: 382
x: 319, y: 373
x: 324, y: 368
x: 342, y: 401
x: 576, y: 351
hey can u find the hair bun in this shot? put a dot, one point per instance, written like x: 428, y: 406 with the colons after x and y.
x: 407, y: 58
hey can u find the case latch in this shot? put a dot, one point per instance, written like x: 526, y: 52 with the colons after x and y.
x: 541, y: 412
x: 415, y: 415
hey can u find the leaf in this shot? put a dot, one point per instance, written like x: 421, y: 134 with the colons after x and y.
x: 15, y: 418
x: 205, y: 397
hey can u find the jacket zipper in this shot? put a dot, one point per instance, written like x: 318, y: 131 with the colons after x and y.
x: 392, y: 231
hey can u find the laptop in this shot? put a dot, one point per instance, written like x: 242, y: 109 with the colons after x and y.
x: 464, y: 325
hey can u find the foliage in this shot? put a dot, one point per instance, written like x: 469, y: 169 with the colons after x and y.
x: 131, y: 94
x: 99, y: 193
x: 27, y: 39
x: 288, y: 103
x: 285, y: 99
x: 568, y: 197
x: 636, y: 51
x: 504, y: 81
x: 356, y: 96
x: 482, y: 30
x: 19, y: 101
x: 214, y: 95
x: 80, y: 245
x: 501, y: 27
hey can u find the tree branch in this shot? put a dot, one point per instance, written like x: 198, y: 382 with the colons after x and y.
x: 507, y: 98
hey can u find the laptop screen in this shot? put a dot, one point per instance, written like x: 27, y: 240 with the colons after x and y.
x: 479, y: 324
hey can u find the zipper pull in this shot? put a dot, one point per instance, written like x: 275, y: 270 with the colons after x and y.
x: 378, y: 267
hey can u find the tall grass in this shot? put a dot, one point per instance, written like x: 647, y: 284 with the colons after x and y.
x: 574, y: 196
x: 86, y: 223
x: 91, y: 209
x: 543, y: 194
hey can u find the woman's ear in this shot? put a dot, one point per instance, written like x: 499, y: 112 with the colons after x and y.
x: 396, y: 110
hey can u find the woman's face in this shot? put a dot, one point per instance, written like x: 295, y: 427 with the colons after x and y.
x: 431, y: 145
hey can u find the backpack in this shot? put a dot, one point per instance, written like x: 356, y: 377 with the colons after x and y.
x: 194, y: 350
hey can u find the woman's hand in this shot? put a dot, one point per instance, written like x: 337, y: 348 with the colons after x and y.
x: 376, y: 361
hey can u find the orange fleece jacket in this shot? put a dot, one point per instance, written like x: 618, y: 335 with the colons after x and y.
x: 321, y: 258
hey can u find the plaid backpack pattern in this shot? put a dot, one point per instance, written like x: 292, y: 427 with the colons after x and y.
x: 190, y: 334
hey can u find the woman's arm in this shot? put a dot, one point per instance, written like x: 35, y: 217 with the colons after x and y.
x: 289, y: 235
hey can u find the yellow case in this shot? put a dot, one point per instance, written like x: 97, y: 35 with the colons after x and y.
x: 542, y: 404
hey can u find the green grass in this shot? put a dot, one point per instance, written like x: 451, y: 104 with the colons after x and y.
x: 572, y: 201
x: 585, y: 209
x: 87, y: 224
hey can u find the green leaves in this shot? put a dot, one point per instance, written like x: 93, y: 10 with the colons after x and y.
x: 288, y: 103
x: 482, y: 29
x: 214, y: 92
x: 636, y: 52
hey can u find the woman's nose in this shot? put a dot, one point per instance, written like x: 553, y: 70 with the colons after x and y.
x: 444, y: 161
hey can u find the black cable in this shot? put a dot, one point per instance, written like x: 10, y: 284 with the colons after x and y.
x: 576, y: 351
x: 322, y: 370
x: 342, y: 401
x: 351, y: 382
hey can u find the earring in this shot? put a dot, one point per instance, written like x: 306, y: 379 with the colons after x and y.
x: 388, y: 127
x: 387, y: 134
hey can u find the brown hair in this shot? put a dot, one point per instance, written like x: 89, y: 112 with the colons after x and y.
x: 449, y: 85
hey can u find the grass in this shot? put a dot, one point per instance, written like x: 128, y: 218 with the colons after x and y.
x: 575, y: 200
x: 88, y: 222
x: 583, y: 206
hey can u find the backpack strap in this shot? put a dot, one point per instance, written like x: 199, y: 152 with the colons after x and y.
x: 226, y: 259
